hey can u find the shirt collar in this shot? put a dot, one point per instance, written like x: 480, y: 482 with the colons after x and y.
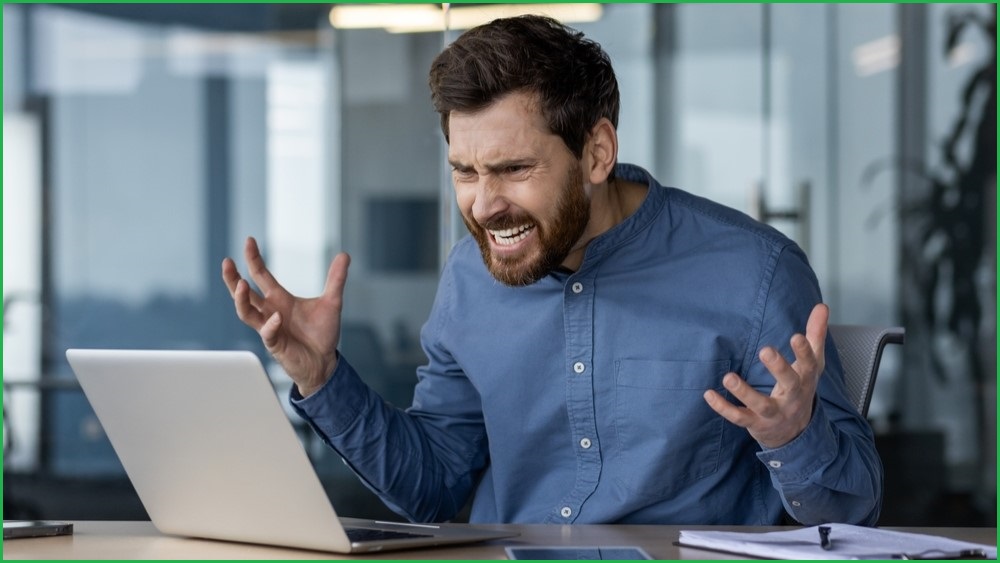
x: 656, y: 197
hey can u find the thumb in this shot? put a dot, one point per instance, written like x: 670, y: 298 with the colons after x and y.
x: 336, y: 277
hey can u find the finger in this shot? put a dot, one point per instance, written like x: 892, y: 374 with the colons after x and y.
x: 785, y: 376
x: 806, y: 365
x: 336, y: 278
x: 269, y: 331
x: 231, y: 276
x: 739, y: 416
x: 751, y: 398
x: 816, y: 328
x: 258, y: 270
x: 245, y: 310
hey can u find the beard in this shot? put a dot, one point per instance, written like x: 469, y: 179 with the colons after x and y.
x: 555, y: 239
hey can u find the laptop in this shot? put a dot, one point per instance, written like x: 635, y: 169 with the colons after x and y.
x: 212, y: 454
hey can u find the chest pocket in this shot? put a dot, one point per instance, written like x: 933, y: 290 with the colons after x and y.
x: 668, y: 436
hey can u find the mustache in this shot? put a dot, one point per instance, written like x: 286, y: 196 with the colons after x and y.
x: 507, y: 221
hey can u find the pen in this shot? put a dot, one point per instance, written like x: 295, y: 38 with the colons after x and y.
x: 824, y: 538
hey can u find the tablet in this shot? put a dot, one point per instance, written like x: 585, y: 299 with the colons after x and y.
x: 569, y: 552
x: 13, y: 529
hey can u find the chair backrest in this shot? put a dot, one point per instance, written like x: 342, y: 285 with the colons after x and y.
x: 860, y: 349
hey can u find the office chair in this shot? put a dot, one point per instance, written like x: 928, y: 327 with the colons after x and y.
x: 860, y: 348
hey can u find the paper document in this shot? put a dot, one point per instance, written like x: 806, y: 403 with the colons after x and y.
x: 846, y: 542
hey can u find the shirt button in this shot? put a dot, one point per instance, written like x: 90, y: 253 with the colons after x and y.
x: 579, y: 367
x: 774, y: 463
x: 566, y: 512
x: 585, y: 443
x: 796, y: 503
x: 577, y: 287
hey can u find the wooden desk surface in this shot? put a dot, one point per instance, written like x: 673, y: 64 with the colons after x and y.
x: 140, y: 540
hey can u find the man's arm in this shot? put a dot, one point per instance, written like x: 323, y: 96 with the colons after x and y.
x: 422, y: 462
x: 421, y: 465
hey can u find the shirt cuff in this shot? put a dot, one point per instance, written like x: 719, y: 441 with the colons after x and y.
x: 336, y: 405
x: 813, y: 449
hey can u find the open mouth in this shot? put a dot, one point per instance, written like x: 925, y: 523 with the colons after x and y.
x: 513, y: 235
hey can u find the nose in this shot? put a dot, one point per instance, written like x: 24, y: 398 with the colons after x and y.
x: 489, y: 200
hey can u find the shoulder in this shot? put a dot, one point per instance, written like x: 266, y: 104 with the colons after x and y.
x: 684, y: 213
x: 726, y: 219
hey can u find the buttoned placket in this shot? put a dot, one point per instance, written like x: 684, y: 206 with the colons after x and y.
x: 578, y: 310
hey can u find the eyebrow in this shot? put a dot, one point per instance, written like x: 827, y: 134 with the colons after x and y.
x: 495, y: 167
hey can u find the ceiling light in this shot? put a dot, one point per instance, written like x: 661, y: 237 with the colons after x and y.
x: 375, y: 16
x: 412, y: 18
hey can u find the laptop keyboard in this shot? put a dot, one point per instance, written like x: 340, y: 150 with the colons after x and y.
x: 368, y: 534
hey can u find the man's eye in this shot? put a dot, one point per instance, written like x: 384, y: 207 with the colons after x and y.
x: 516, y: 168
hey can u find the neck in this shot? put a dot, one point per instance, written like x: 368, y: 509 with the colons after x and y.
x: 610, y: 204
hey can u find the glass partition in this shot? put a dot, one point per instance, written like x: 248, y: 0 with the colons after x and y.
x: 143, y: 143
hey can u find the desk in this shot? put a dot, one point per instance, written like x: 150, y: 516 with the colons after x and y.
x: 140, y: 540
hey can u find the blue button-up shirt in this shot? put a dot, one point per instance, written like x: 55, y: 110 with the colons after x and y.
x: 579, y: 398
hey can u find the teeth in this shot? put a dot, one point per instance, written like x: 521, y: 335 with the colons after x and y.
x: 512, y: 235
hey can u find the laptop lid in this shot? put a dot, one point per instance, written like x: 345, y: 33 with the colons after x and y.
x: 211, y: 453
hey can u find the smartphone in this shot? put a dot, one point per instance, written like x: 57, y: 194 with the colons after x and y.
x: 13, y: 529
x: 568, y: 552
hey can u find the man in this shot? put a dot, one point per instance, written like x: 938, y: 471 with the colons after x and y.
x: 630, y: 366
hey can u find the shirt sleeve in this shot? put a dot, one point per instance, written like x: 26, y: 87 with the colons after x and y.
x: 831, y: 472
x: 422, y: 462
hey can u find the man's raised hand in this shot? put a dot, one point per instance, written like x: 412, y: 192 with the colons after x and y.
x: 777, y: 419
x: 300, y: 333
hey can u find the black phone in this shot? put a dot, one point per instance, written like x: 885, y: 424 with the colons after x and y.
x: 569, y: 552
x: 13, y: 529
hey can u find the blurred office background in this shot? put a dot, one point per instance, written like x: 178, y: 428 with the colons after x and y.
x: 143, y: 143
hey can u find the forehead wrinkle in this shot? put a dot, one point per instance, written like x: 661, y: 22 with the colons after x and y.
x: 511, y: 129
x: 491, y: 145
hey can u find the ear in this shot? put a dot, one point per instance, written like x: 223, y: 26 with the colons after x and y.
x: 600, y: 153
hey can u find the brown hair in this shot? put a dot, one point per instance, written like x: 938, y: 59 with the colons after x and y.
x: 571, y: 75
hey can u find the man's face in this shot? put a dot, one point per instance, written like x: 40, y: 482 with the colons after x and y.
x: 519, y: 188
